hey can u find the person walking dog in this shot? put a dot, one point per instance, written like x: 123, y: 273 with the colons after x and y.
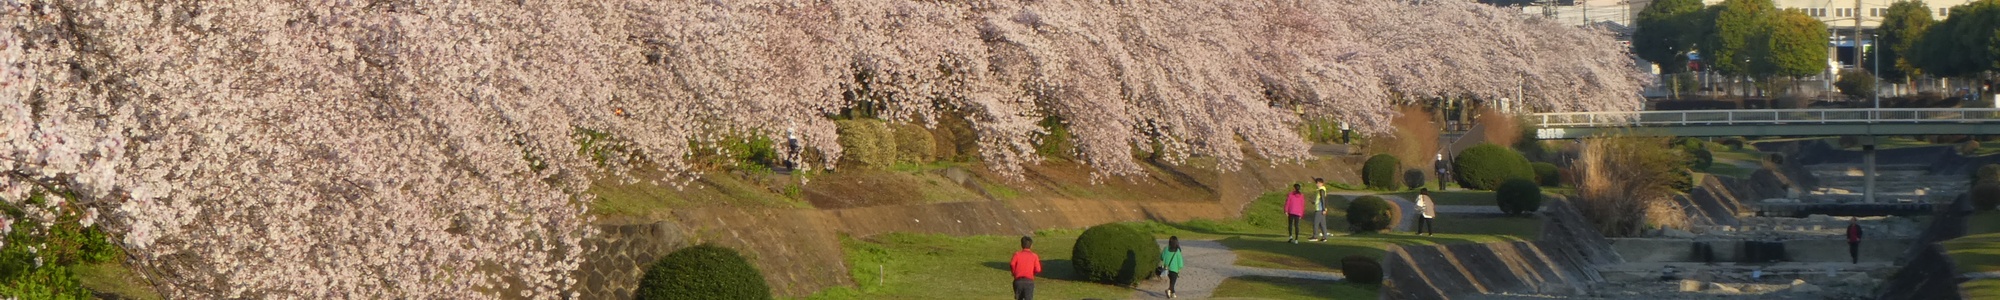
x: 1025, y: 265
x: 1319, y: 211
x: 1171, y: 262
x: 1854, y: 239
x: 1295, y: 207
x: 1428, y: 210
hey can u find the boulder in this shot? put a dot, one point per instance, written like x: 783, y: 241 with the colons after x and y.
x: 1805, y: 288
x: 1819, y: 218
x: 1690, y: 285
x: 1723, y: 288
x: 1857, y: 279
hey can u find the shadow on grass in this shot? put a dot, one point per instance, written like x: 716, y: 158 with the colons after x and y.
x: 1294, y: 288
x: 1052, y: 269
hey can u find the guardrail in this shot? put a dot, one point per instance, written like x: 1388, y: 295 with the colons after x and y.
x: 1769, y: 117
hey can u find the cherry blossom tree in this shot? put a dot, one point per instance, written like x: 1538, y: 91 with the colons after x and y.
x: 429, y: 149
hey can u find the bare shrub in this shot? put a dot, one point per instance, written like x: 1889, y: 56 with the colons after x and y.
x: 1627, y: 183
x: 1415, y: 141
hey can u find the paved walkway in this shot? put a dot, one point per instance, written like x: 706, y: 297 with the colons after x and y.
x: 1206, y: 264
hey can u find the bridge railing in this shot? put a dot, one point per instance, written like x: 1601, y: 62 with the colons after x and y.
x: 1769, y: 117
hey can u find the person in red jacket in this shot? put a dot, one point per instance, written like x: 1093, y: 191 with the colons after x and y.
x: 1854, y: 239
x: 1025, y: 265
x: 1295, y: 206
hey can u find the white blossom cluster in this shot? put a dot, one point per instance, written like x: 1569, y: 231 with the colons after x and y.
x: 427, y: 149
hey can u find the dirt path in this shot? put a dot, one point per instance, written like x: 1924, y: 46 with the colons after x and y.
x: 1206, y: 265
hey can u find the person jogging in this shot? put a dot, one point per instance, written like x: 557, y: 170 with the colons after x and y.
x: 1854, y: 239
x: 1025, y: 265
x: 1171, y: 262
x: 1428, y: 210
x: 1295, y: 207
x: 1319, y: 211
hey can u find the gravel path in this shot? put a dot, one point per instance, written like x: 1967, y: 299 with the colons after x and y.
x: 1207, y: 263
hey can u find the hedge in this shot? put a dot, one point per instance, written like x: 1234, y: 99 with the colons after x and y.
x: 702, y: 272
x: 1518, y: 196
x: 866, y: 143
x: 914, y: 144
x: 1985, y: 196
x: 1485, y: 166
x: 1380, y: 172
x: 1361, y: 269
x: 1369, y: 214
x: 1547, y: 174
x: 1115, y: 254
x: 1413, y: 178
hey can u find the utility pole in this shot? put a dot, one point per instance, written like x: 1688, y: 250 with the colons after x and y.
x: 1857, y: 33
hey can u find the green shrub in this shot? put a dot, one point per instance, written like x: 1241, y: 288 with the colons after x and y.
x: 1413, y: 178
x: 1985, y: 196
x: 1700, y: 159
x: 702, y: 272
x: 1369, y: 214
x: 1486, y: 165
x: 914, y: 144
x: 867, y: 143
x: 1380, y: 172
x: 1518, y: 196
x: 1115, y: 254
x: 1547, y: 174
x: 1361, y: 269
x: 1989, y: 173
x: 1855, y: 84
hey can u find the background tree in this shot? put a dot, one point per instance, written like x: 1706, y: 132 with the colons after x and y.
x: 1737, y: 31
x: 1901, y: 28
x: 1796, y: 46
x: 1855, y: 84
x: 1667, y: 31
x: 1966, y: 43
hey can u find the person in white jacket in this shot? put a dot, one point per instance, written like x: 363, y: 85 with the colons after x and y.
x: 1428, y: 210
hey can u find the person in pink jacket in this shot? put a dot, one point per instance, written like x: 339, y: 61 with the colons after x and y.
x: 1295, y: 207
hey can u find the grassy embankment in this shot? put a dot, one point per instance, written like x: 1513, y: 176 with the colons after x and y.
x: 1978, y: 251
x: 921, y: 266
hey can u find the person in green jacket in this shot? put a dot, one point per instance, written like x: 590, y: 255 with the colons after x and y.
x: 1170, y: 260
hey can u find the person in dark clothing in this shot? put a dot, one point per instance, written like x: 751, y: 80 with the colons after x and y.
x: 1024, y: 265
x: 1854, y: 239
x: 1443, y: 171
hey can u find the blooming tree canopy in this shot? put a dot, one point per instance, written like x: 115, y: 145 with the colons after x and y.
x: 428, y: 149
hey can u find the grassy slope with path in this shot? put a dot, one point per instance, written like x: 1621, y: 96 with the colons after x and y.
x: 1978, y: 251
x: 929, y: 266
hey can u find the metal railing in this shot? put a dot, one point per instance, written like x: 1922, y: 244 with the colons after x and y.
x: 1769, y: 117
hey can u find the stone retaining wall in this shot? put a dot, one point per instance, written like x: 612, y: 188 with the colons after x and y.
x: 1559, y: 263
x: 1726, y: 250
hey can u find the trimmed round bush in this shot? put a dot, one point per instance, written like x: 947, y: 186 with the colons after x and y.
x: 1988, y: 173
x: 866, y: 143
x: 1380, y: 172
x: 1700, y: 159
x: 702, y: 272
x: 1115, y: 254
x: 1369, y: 214
x: 1361, y: 269
x: 914, y: 144
x: 1518, y: 196
x: 1413, y: 178
x: 1485, y: 166
x: 1547, y: 174
x: 1985, y: 196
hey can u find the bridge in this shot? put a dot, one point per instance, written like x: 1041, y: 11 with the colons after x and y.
x: 1864, y: 123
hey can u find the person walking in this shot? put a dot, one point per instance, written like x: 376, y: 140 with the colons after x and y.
x: 1428, y: 210
x: 1319, y: 211
x: 1443, y: 170
x: 1295, y: 208
x: 1854, y: 239
x: 1170, y: 262
x: 1025, y: 265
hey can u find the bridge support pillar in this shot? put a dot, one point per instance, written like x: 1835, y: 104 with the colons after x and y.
x: 1868, y: 173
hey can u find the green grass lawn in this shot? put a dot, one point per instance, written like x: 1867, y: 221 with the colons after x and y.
x: 114, y: 278
x: 1259, y: 238
x: 1453, y: 197
x: 931, y: 266
x: 1981, y: 288
x: 1979, y: 249
x: 1261, y: 287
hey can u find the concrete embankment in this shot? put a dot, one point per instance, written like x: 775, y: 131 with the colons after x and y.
x: 1927, y: 272
x: 799, y: 250
x: 1732, y: 250
x: 1559, y: 262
